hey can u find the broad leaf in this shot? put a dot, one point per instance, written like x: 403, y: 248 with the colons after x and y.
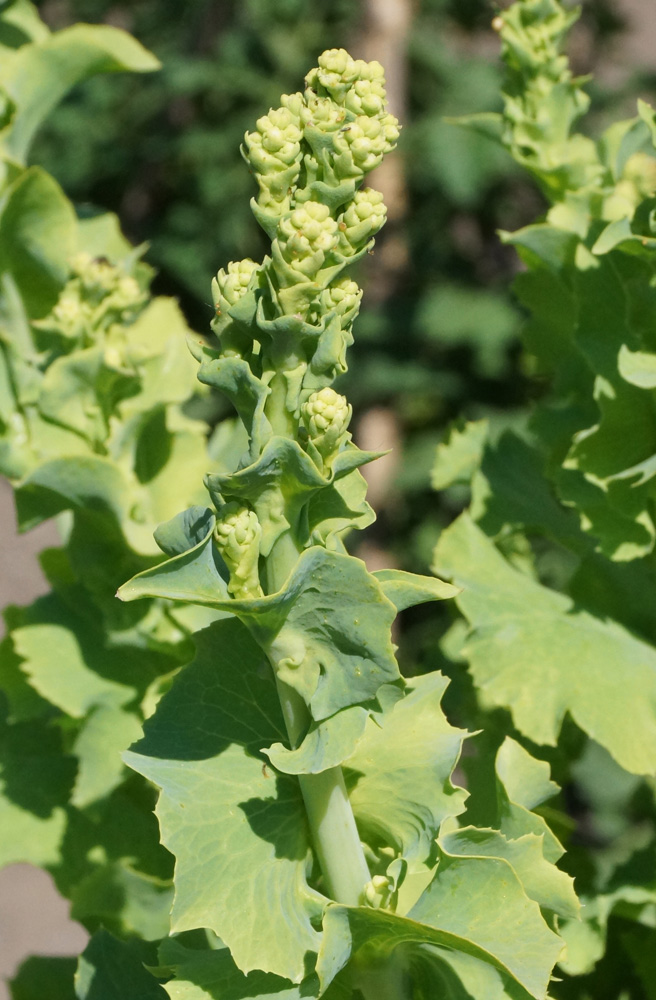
x: 400, y: 773
x: 238, y: 831
x: 35, y: 782
x: 40, y: 977
x: 327, y: 631
x: 532, y: 651
x: 37, y: 236
x: 98, y: 747
x: 212, y: 975
x: 110, y: 969
x: 40, y: 74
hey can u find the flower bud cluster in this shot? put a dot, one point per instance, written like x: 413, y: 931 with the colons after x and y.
x: 543, y: 99
x: 361, y: 220
x: 362, y: 143
x: 228, y: 287
x: 274, y: 153
x: 306, y: 236
x: 353, y: 83
x: 326, y: 416
x: 237, y: 535
x: 97, y: 295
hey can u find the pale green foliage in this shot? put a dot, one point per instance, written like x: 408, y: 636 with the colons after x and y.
x: 323, y: 845
x: 251, y: 852
x: 555, y: 555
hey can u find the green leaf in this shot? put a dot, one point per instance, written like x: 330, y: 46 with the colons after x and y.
x: 509, y: 954
x: 325, y: 745
x: 238, y: 832
x: 543, y: 882
x: 37, y: 237
x: 36, y: 779
x: 68, y: 662
x: 400, y: 772
x: 123, y: 900
x: 637, y: 367
x: 532, y: 651
x: 459, y: 455
x: 39, y: 75
x: 184, y: 531
x: 511, y: 490
x: 233, y: 377
x: 212, y: 975
x: 327, y: 595
x: 40, y: 977
x: 110, y: 969
x: 513, y: 931
x: 406, y: 590
x: 98, y: 747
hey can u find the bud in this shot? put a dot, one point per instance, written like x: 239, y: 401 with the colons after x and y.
x: 378, y: 891
x: 326, y: 417
x: 232, y: 282
x: 97, y: 275
x: 367, y: 140
x: 307, y: 235
x: 237, y: 535
x: 363, y: 217
x: 343, y: 296
x: 335, y: 74
x: 367, y: 95
x: 323, y: 113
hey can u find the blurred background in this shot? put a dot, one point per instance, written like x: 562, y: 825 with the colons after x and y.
x: 437, y: 337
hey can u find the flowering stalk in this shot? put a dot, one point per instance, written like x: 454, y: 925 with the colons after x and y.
x: 282, y: 328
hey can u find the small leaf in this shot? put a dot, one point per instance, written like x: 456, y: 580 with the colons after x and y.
x: 406, y: 590
x: 325, y: 745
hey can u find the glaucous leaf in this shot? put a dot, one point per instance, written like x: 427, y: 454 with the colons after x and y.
x: 530, y: 650
x: 238, y: 831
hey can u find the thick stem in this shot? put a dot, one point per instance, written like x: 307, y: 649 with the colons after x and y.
x: 332, y: 825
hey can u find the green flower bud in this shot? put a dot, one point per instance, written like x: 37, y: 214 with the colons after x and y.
x: 232, y: 282
x: 127, y: 296
x: 378, y: 891
x: 294, y: 103
x: 229, y: 286
x: 326, y: 416
x: 97, y: 275
x: 362, y: 219
x: 342, y: 296
x: 274, y: 153
x: 237, y: 535
x: 367, y: 140
x: 68, y: 313
x: 306, y: 236
x: 367, y: 97
x: 336, y: 72
x: 323, y: 113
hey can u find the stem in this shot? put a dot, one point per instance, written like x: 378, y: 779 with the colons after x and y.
x: 332, y: 824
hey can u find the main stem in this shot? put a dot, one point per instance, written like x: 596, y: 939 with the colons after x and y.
x: 332, y: 825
